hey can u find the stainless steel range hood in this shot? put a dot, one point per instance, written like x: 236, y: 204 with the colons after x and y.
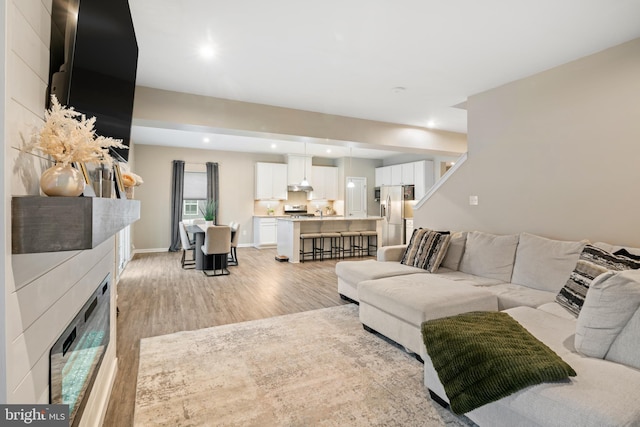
x: 299, y: 187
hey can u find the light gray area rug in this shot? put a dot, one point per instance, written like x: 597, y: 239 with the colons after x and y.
x: 317, y: 368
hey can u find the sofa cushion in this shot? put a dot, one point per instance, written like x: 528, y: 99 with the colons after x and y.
x: 489, y: 255
x: 456, y: 249
x: 418, y: 297
x: 609, y: 323
x: 358, y: 271
x: 470, y: 279
x: 544, y: 264
x: 556, y: 309
x: 602, y: 394
x: 512, y: 295
x: 426, y: 249
x: 593, y: 262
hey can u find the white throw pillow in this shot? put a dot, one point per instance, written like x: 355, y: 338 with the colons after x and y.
x: 608, y: 326
x: 489, y: 255
x: 543, y: 263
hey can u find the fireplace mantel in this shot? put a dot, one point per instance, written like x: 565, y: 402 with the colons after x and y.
x: 52, y: 224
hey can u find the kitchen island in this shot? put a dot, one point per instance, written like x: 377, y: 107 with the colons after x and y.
x: 289, y: 230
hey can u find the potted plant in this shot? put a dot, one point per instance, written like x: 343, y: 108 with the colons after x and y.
x: 209, y: 212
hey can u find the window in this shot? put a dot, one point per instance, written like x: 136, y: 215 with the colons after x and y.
x: 190, y: 208
x: 194, y: 195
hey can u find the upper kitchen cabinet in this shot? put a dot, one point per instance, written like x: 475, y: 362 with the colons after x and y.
x: 383, y: 176
x: 324, y: 180
x: 298, y: 167
x: 402, y: 174
x: 419, y: 174
x: 271, y: 181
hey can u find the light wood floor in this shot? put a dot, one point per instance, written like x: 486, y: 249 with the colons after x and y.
x: 156, y: 297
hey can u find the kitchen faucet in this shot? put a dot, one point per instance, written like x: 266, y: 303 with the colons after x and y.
x: 319, y: 210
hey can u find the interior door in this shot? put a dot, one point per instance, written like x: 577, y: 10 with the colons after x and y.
x: 356, y: 197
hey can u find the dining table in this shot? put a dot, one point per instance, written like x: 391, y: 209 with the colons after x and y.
x: 203, y: 262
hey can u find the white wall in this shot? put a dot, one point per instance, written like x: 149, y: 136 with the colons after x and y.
x: 5, y: 218
x: 42, y: 292
x: 236, y: 173
x: 554, y: 154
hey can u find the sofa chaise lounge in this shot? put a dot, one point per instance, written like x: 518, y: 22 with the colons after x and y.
x: 524, y: 275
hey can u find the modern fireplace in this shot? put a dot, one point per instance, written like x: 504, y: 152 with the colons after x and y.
x: 74, y: 360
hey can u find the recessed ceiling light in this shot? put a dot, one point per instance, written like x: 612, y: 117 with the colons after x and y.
x: 207, y: 51
x: 274, y: 146
x: 431, y: 124
x: 328, y: 150
x: 206, y: 139
x: 398, y: 89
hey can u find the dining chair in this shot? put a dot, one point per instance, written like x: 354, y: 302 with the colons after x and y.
x: 217, y: 246
x: 187, y: 245
x: 235, y: 233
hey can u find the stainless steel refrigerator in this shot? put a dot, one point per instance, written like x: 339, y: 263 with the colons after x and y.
x: 392, y: 213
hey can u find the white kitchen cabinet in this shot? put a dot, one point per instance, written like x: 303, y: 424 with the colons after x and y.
x: 383, y: 176
x: 424, y: 178
x: 298, y: 167
x: 408, y: 173
x: 271, y: 181
x: 396, y: 174
x: 324, y: 180
x: 265, y: 232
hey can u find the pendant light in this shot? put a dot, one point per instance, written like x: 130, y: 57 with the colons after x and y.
x: 350, y: 184
x: 304, y: 182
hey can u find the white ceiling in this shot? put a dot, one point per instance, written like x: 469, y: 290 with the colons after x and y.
x: 349, y: 57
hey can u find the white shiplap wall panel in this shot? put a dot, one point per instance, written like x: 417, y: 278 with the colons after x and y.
x: 29, y: 267
x: 38, y: 338
x: 35, y: 12
x: 29, y: 45
x: 28, y: 31
x: 26, y: 88
x: 32, y: 299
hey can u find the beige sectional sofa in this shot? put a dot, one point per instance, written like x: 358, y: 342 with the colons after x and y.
x: 522, y: 275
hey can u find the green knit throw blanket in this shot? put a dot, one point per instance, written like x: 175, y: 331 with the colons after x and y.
x: 481, y: 357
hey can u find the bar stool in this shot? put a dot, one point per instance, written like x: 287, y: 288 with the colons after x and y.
x: 335, y: 247
x: 316, y: 243
x: 370, y: 234
x: 355, y: 243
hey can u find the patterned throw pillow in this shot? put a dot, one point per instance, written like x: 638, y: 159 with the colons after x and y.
x: 592, y: 263
x: 426, y: 249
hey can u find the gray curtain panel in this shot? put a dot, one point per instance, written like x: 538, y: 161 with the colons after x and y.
x: 177, y: 187
x: 213, y: 191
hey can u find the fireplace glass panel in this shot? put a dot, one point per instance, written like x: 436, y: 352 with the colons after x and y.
x: 75, y: 358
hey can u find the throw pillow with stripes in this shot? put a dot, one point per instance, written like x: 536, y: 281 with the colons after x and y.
x: 426, y: 249
x: 593, y: 262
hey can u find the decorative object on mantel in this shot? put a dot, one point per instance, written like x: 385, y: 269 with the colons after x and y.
x: 130, y: 180
x: 68, y: 136
x: 62, y: 180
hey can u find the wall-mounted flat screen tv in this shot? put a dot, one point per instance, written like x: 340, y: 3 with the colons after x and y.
x: 93, y: 63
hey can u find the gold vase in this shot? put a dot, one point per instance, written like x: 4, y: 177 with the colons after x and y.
x: 61, y: 180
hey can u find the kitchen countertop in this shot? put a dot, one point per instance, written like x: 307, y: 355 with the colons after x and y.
x: 330, y: 218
